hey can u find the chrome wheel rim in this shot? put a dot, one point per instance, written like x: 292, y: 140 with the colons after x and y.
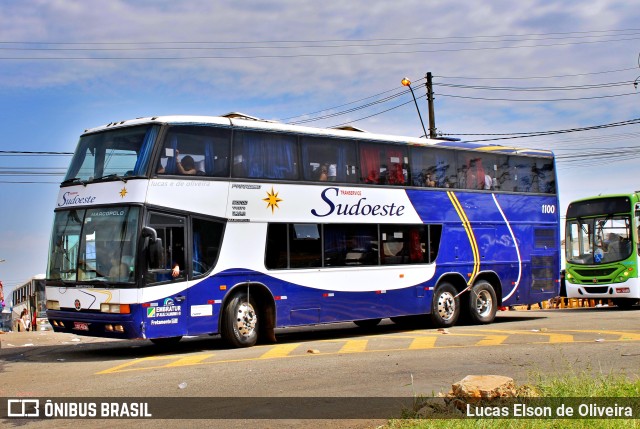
x: 446, y: 306
x: 484, y: 303
x: 246, y: 319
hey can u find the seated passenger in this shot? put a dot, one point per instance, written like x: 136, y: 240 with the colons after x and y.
x: 323, y: 173
x: 186, y: 166
x: 428, y: 181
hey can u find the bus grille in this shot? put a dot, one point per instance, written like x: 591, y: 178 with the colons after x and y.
x: 596, y: 289
x: 542, y: 273
x: 598, y: 272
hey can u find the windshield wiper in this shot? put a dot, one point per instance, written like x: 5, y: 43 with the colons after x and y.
x: 110, y: 177
x: 74, y: 180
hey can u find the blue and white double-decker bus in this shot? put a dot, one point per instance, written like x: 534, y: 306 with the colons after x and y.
x: 187, y: 225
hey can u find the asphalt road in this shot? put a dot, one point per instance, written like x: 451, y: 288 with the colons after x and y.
x: 323, y: 362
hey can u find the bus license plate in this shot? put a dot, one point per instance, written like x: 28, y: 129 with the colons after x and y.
x: 81, y: 326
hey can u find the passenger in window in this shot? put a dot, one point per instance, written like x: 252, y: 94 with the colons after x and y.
x: 372, y: 178
x: 119, y: 270
x: 324, y: 173
x: 428, y: 181
x: 396, y: 175
x: 186, y: 166
x: 175, y: 270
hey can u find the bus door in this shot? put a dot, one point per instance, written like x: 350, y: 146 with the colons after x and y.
x: 545, y: 268
x: 166, y: 294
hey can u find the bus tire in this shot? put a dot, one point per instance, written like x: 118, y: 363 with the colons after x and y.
x: 445, y: 307
x: 483, y: 303
x: 367, y: 323
x: 240, y: 321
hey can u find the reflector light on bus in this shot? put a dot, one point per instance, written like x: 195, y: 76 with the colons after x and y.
x: 115, y: 308
x: 112, y: 328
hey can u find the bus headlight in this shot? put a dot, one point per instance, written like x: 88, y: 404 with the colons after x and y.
x: 115, y: 308
x: 53, y: 305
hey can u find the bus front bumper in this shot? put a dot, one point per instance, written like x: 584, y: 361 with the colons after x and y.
x: 107, y: 325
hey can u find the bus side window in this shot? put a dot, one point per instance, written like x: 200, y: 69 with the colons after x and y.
x: 259, y: 155
x: 207, y: 237
x: 170, y: 245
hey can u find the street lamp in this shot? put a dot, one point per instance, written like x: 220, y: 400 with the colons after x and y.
x: 407, y: 82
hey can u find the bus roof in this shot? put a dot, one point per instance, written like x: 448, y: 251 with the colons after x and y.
x: 242, y: 121
x: 631, y: 195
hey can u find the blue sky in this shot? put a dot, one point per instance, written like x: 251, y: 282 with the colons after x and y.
x: 70, y: 65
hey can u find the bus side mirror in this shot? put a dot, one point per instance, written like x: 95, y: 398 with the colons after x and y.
x: 156, y: 254
x: 151, y: 233
x: 155, y: 250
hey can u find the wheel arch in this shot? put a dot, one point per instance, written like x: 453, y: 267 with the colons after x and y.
x: 454, y: 279
x: 266, y: 308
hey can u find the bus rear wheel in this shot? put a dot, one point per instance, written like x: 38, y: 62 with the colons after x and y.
x: 240, y: 321
x: 445, y: 306
x: 483, y: 303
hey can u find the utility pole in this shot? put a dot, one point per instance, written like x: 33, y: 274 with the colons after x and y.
x: 432, y: 115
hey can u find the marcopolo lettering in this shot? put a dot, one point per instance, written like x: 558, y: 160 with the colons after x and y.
x: 360, y: 208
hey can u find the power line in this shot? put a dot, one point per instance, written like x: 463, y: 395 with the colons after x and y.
x: 28, y: 153
x: 547, y: 133
x: 535, y: 77
x: 423, y: 40
x: 303, y: 55
x: 538, y: 88
x: 539, y: 100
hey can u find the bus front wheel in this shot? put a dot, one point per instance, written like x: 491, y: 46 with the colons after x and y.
x: 445, y: 306
x: 240, y: 321
x: 483, y: 304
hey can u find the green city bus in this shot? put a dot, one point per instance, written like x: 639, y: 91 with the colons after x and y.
x: 601, y: 249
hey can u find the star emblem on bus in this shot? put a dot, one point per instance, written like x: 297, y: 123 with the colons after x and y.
x: 123, y: 192
x: 272, y: 200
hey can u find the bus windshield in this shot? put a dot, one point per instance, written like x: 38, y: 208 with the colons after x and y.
x: 113, y: 153
x: 598, y: 240
x: 96, y: 244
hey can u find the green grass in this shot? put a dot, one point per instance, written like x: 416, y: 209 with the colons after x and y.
x: 582, y: 385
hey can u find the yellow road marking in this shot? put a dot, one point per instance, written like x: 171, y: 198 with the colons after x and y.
x: 278, y: 351
x: 423, y: 343
x: 419, y: 341
x: 354, y: 346
x: 121, y: 368
x: 623, y: 335
x: 492, y: 340
x: 189, y: 360
x: 553, y: 337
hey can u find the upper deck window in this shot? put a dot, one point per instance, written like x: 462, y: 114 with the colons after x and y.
x: 195, y: 150
x: 113, y: 153
x: 259, y: 155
